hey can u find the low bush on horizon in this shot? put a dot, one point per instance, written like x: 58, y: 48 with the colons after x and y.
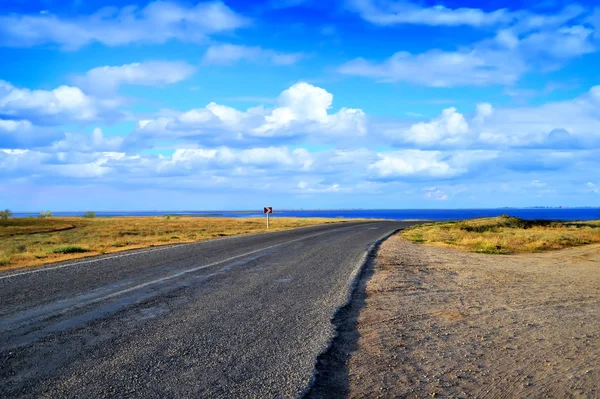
x: 505, y: 234
x: 5, y: 214
x: 89, y: 214
x: 45, y: 214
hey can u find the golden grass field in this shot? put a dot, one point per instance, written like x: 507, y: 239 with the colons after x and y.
x: 506, y: 235
x: 33, y: 241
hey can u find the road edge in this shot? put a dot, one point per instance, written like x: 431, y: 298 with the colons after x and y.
x: 355, y: 278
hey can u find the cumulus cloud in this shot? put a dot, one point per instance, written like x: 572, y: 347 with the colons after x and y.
x: 65, y: 104
x: 95, y: 142
x: 300, y: 111
x: 573, y: 123
x: 107, y: 79
x: 410, y: 163
x: 227, y: 54
x: 567, y: 124
x: 157, y: 22
x: 449, y: 128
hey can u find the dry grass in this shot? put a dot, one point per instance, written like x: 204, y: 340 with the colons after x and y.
x: 30, y: 242
x: 506, y: 235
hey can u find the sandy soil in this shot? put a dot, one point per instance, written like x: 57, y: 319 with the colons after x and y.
x: 439, y: 322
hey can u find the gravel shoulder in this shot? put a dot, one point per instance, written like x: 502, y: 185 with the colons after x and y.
x: 438, y: 322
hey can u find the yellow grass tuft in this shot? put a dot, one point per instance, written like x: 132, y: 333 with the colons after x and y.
x: 30, y: 242
x: 506, y: 235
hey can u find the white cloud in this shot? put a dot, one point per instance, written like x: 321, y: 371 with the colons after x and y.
x: 408, y: 163
x: 306, y: 104
x: 592, y: 187
x: 65, y: 104
x: 15, y: 126
x: 448, y: 129
x: 388, y: 12
x: 567, y: 123
x: 157, y: 22
x: 266, y: 158
x: 107, y: 79
x: 534, y: 43
x: 436, y: 68
x: 318, y: 187
x: 95, y: 142
x: 227, y: 54
x: 564, y: 43
x: 435, y: 193
x: 301, y: 110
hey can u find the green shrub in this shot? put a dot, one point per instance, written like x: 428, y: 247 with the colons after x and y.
x: 5, y: 214
x: 89, y: 214
x: 19, y: 248
x: 167, y: 217
x: 70, y: 249
x: 45, y: 214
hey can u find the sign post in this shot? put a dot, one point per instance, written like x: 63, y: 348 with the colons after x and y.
x: 268, y: 210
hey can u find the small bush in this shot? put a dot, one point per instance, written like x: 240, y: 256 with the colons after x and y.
x: 167, y: 217
x: 20, y: 248
x: 89, y: 214
x: 45, y: 214
x: 5, y: 214
x: 71, y: 249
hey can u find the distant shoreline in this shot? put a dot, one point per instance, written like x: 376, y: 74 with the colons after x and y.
x: 567, y: 214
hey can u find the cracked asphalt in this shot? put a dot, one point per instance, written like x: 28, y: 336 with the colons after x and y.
x: 239, y: 317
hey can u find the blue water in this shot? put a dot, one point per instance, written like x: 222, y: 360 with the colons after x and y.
x: 395, y: 214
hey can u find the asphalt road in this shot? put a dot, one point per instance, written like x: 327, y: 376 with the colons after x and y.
x: 238, y: 317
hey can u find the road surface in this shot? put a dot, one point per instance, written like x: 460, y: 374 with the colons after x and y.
x: 244, y: 316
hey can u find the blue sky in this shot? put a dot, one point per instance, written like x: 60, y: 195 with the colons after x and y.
x: 298, y: 104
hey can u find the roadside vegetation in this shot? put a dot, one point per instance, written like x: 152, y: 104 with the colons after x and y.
x: 506, y: 235
x: 37, y: 241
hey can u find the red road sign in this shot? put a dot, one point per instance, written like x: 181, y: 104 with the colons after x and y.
x: 268, y: 209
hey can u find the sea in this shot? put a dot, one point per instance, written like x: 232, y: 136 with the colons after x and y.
x: 569, y: 214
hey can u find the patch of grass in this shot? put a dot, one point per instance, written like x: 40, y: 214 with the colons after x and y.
x: 506, y: 234
x: 69, y: 249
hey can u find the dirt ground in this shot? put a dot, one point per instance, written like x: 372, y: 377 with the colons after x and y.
x: 439, y: 322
